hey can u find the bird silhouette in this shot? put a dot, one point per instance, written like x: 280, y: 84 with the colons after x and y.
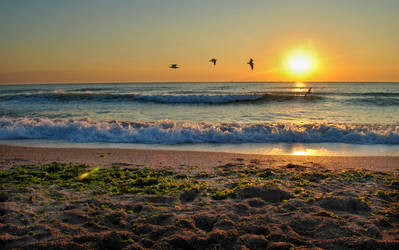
x: 173, y: 66
x: 251, y: 63
x: 309, y: 92
x: 213, y: 60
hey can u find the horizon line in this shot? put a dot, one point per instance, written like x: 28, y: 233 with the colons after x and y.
x: 134, y: 82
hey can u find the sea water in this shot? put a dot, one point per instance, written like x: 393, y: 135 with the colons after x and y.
x: 336, y: 118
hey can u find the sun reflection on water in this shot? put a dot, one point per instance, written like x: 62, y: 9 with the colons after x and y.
x: 300, y: 87
x: 300, y: 84
x: 310, y: 151
x: 300, y: 152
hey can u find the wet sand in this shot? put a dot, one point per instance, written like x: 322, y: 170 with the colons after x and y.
x: 11, y: 155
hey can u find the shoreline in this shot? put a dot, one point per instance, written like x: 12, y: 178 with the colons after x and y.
x: 160, y: 158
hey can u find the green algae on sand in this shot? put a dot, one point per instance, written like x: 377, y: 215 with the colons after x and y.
x: 235, y: 206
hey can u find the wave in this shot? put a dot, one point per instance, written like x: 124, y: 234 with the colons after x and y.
x: 156, y: 98
x: 90, y: 89
x: 170, y: 132
x: 373, y: 94
x: 383, y: 102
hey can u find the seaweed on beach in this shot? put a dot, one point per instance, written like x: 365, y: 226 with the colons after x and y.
x: 115, y: 180
x: 79, y: 206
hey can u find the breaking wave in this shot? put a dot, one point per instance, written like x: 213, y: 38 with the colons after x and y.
x: 170, y: 132
x: 154, y: 98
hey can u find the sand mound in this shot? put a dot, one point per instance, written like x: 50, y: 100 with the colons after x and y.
x: 189, y: 195
x: 266, y: 193
x: 344, y: 204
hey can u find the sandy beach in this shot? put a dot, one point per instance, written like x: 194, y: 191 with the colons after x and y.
x: 11, y: 155
x: 63, y: 198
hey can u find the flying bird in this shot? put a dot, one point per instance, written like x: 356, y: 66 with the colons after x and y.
x: 251, y: 63
x: 213, y: 60
x: 173, y: 66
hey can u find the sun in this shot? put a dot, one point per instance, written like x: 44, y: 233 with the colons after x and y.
x: 300, y: 63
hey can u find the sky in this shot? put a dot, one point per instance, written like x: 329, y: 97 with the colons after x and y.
x: 47, y: 41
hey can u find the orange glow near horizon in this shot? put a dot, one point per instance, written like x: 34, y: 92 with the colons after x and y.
x: 299, y: 84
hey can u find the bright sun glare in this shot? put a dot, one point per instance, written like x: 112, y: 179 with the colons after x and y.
x: 300, y: 63
x: 299, y: 152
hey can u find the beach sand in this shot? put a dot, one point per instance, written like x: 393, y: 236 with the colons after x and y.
x: 195, y: 200
x: 11, y: 155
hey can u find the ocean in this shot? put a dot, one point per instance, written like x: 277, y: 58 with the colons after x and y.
x: 337, y: 118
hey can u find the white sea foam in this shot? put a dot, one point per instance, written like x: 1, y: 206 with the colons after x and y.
x: 170, y: 132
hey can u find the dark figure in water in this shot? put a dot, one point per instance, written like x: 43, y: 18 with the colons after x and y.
x: 251, y: 63
x: 213, y: 60
x: 173, y: 66
x: 309, y: 92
